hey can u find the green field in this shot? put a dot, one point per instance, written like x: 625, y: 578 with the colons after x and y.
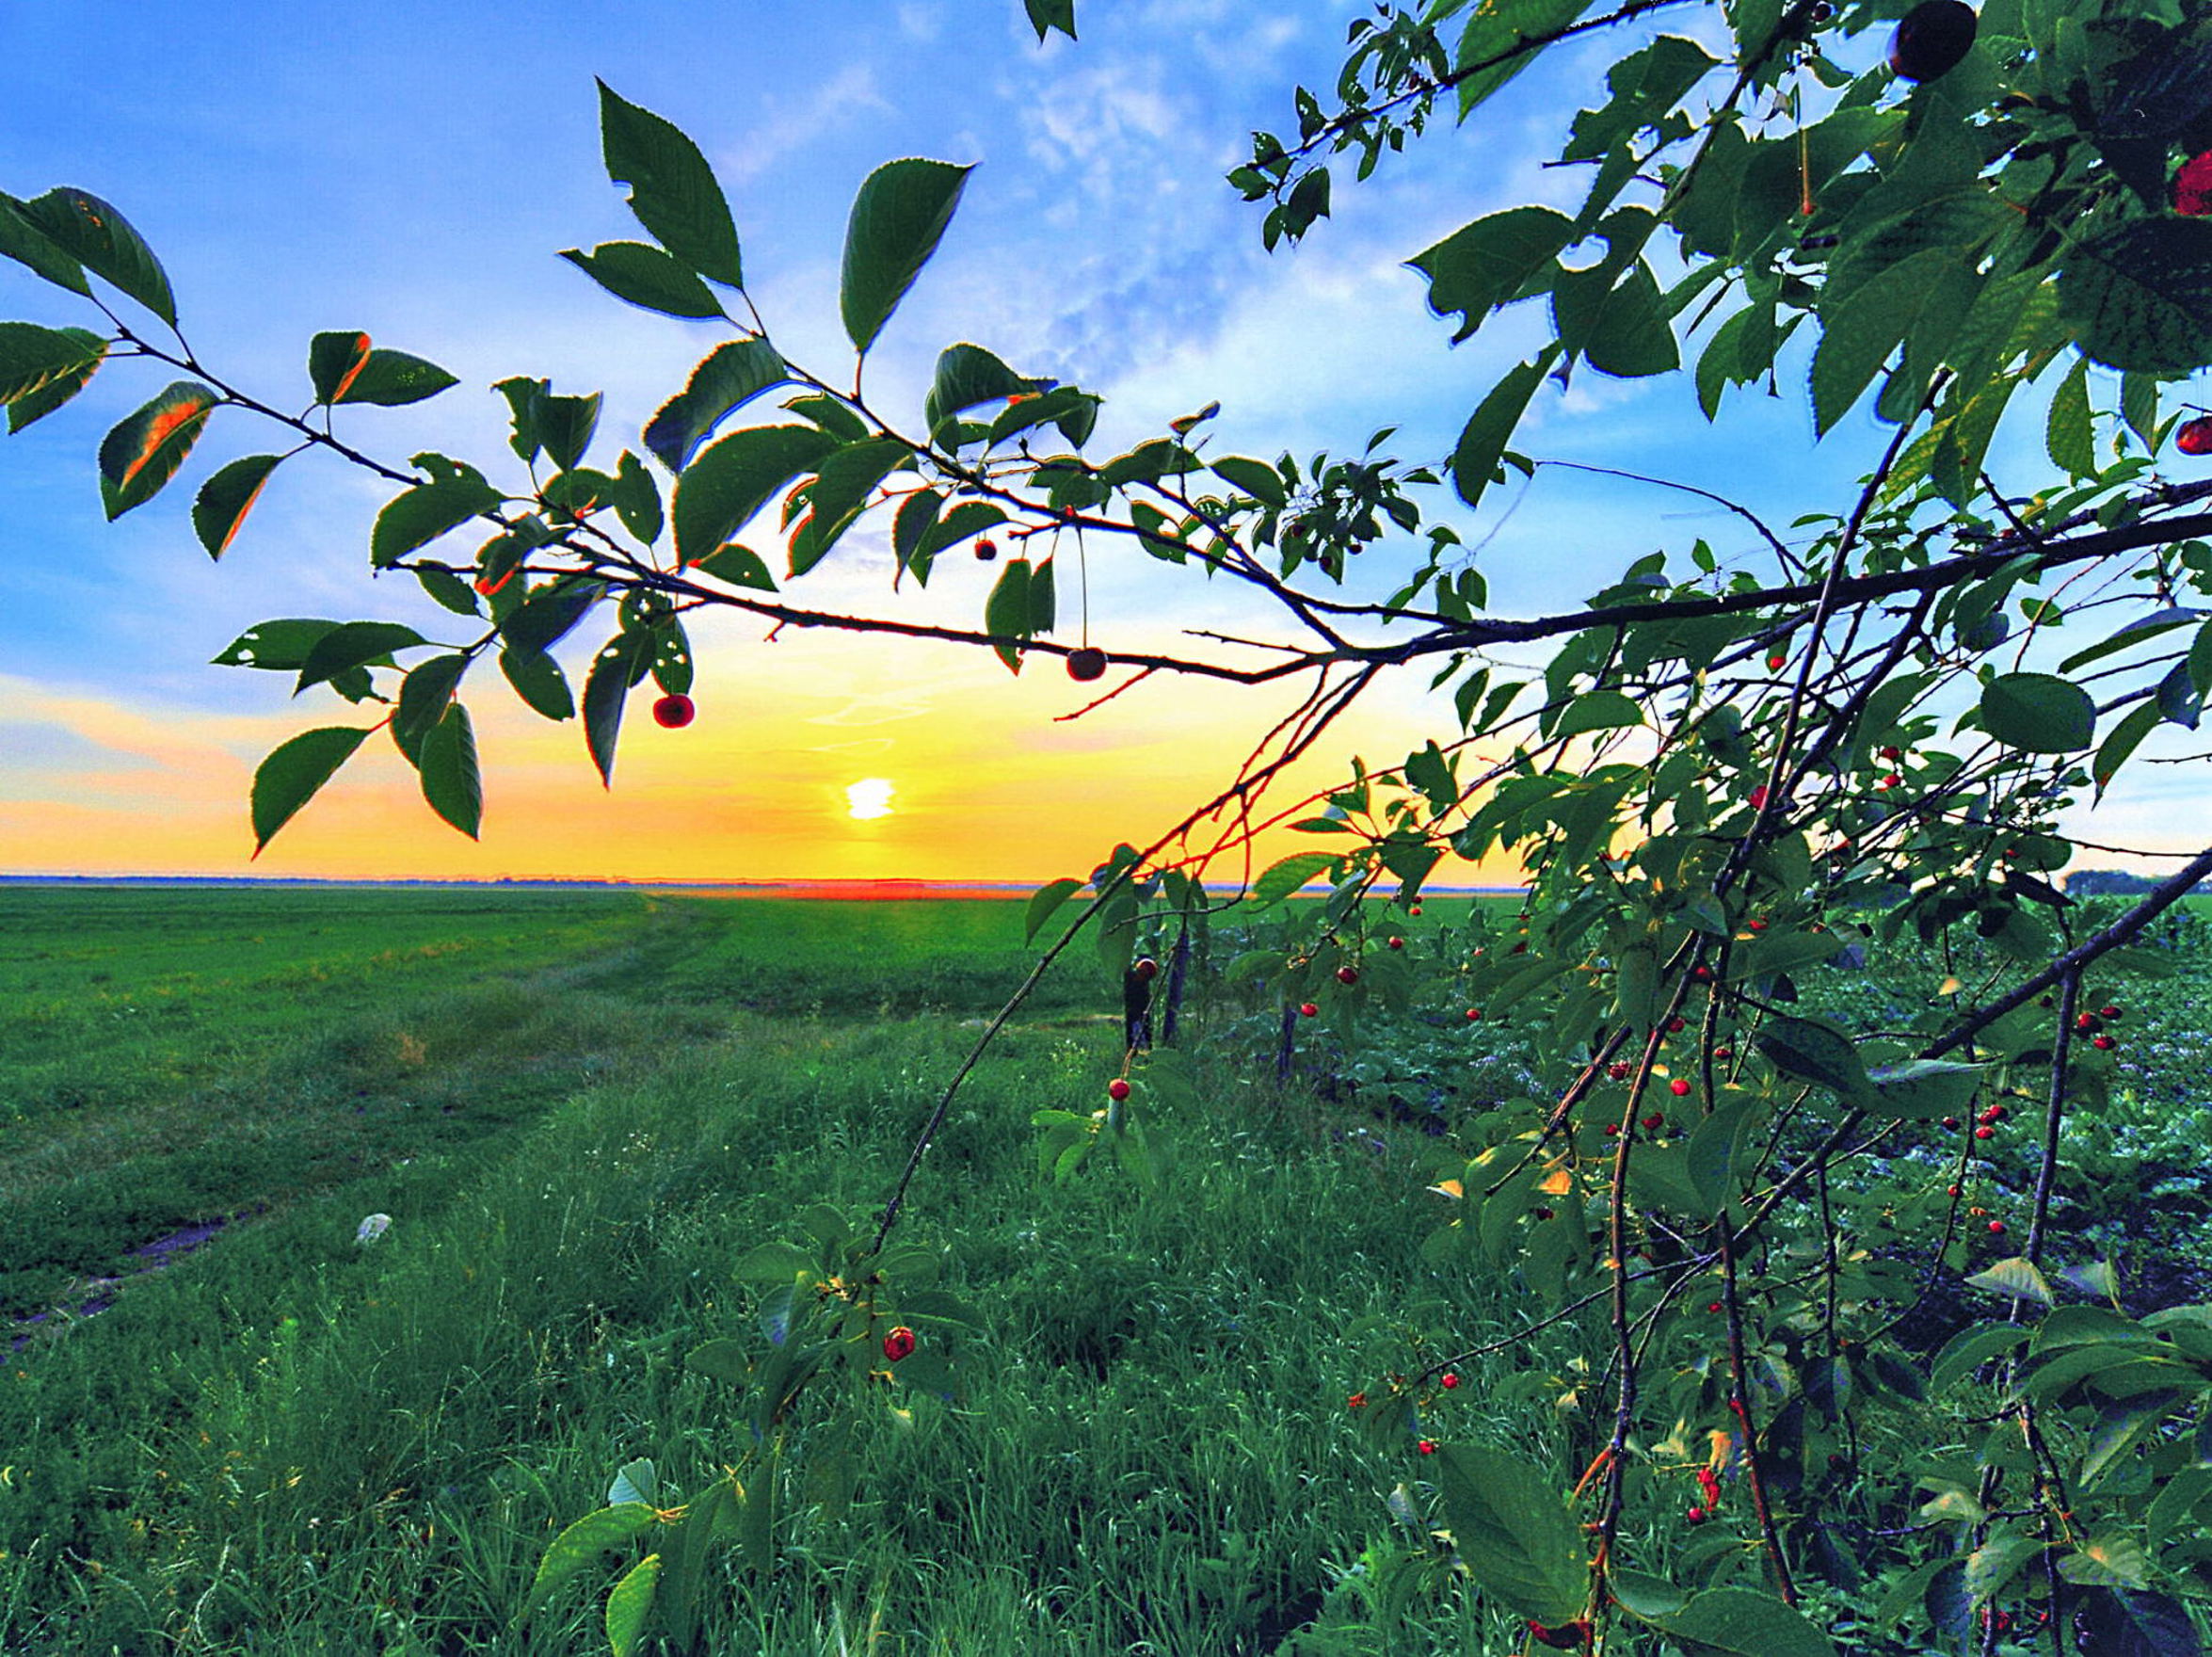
x: 580, y: 1109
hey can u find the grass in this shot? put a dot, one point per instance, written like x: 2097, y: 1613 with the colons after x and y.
x: 289, y: 1444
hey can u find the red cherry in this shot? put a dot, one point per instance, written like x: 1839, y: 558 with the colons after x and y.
x: 1655, y: 1121
x: 1776, y: 663
x: 1984, y: 1133
x: 1086, y: 665
x: 1675, y: 1027
x: 1397, y: 944
x: 1307, y: 1010
x: 1892, y: 781
x: 1950, y: 1122
x: 674, y: 711
x: 2192, y: 199
x: 1997, y: 1228
x: 2107, y: 1012
x: 1415, y: 911
x: 1427, y: 1446
x: 1715, y: 1307
x: 898, y: 1343
x: 985, y: 549
x: 1447, y: 1381
x: 1758, y: 796
x: 1679, y: 1086
x: 2086, y: 1022
x: 1932, y: 40
x: 1702, y: 974
x: 1347, y: 974
x: 2195, y: 437
x: 1357, y: 1401
x: 1144, y: 969
x: 1117, y: 1089
x: 1722, y: 1054
x: 1474, y: 1014
x: 2102, y: 1043
x: 1950, y: 1190
x: 1696, y: 1516
x: 1617, y: 1071
x: 1612, y: 1130
x: 1757, y: 926
x: 1893, y: 752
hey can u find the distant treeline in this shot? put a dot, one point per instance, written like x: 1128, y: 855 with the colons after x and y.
x: 2114, y: 883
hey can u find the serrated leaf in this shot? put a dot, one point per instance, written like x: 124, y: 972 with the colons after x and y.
x: 1513, y: 1533
x: 23, y: 241
x: 1743, y: 1622
x: 1044, y: 15
x: 351, y: 645
x: 636, y: 1481
x: 1492, y: 262
x: 1257, y: 478
x: 226, y: 498
x: 840, y: 492
x: 423, y: 698
x: 2069, y: 438
x: 98, y: 237
x: 143, y: 451
x: 645, y: 276
x: 672, y: 189
x: 450, y: 782
x: 333, y: 358
x: 1814, y: 1052
x: 538, y: 681
x: 2139, y: 297
x: 1598, y: 709
x: 726, y: 485
x: 295, y: 772
x: 2016, y: 1278
x: 390, y: 380
x: 280, y: 644
x: 740, y: 566
x: 34, y: 406
x: 1283, y: 878
x: 1925, y: 1087
x: 1969, y: 1351
x: 967, y: 375
x: 1997, y: 1561
x: 33, y: 358
x: 725, y: 379
x: 1483, y: 439
x: 630, y: 1606
x: 1044, y: 903
x: 414, y: 518
x: 2037, y: 713
x: 606, y: 688
x: 897, y: 221
x: 581, y: 1546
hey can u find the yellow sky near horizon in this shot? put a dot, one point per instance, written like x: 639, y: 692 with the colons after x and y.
x: 987, y: 783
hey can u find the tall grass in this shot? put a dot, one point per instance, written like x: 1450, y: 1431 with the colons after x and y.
x: 292, y: 1443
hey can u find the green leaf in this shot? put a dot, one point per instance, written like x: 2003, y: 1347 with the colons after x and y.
x: 34, y: 406
x: 1997, y: 1561
x: 1044, y: 15
x: 1969, y: 1351
x: 726, y: 378
x: 333, y: 360
x: 1815, y: 1052
x: 455, y: 494
x: 1044, y: 902
x: 1925, y: 1087
x: 1011, y: 611
x: 580, y: 1547
x: 538, y: 681
x: 351, y: 645
x: 967, y: 375
x: 613, y: 670
x: 2121, y: 741
x: 898, y: 218
x: 1481, y: 442
x: 672, y: 189
x: 294, y: 773
x: 2069, y: 438
x: 226, y: 498
x: 102, y: 240
x: 423, y: 698
x: 1287, y: 876
x: 2016, y: 1278
x: 1598, y: 709
x: 1493, y: 262
x: 1513, y: 1532
x: 449, y: 591
x: 1494, y: 46
x: 450, y: 782
x: 637, y: 499
x: 734, y: 478
x: 840, y: 493
x: 32, y: 248
x: 1257, y: 478
x: 642, y: 274
x: 2037, y: 713
x: 739, y: 565
x: 143, y: 451
x: 282, y: 646
x: 390, y: 380
x: 34, y: 358
x: 2115, y: 1622
x: 1620, y: 327
x: 1863, y: 326
x: 2139, y: 297
x: 1743, y: 1622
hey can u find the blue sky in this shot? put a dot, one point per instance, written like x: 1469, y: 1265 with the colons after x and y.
x: 413, y: 169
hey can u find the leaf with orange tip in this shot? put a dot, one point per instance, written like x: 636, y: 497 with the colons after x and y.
x: 34, y: 358
x: 334, y: 360
x: 1557, y: 1184
x: 226, y: 498
x: 144, y: 450
x: 1451, y: 1188
x: 93, y: 233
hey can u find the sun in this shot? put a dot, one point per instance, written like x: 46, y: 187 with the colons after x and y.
x: 869, y: 798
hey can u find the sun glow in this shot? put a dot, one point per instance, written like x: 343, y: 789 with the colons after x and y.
x: 869, y: 798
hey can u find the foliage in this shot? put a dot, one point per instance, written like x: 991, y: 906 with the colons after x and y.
x: 1727, y: 785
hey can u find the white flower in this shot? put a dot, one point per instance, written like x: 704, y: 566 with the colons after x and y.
x: 373, y: 1227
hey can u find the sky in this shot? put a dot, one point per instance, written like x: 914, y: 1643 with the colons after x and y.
x: 412, y: 170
